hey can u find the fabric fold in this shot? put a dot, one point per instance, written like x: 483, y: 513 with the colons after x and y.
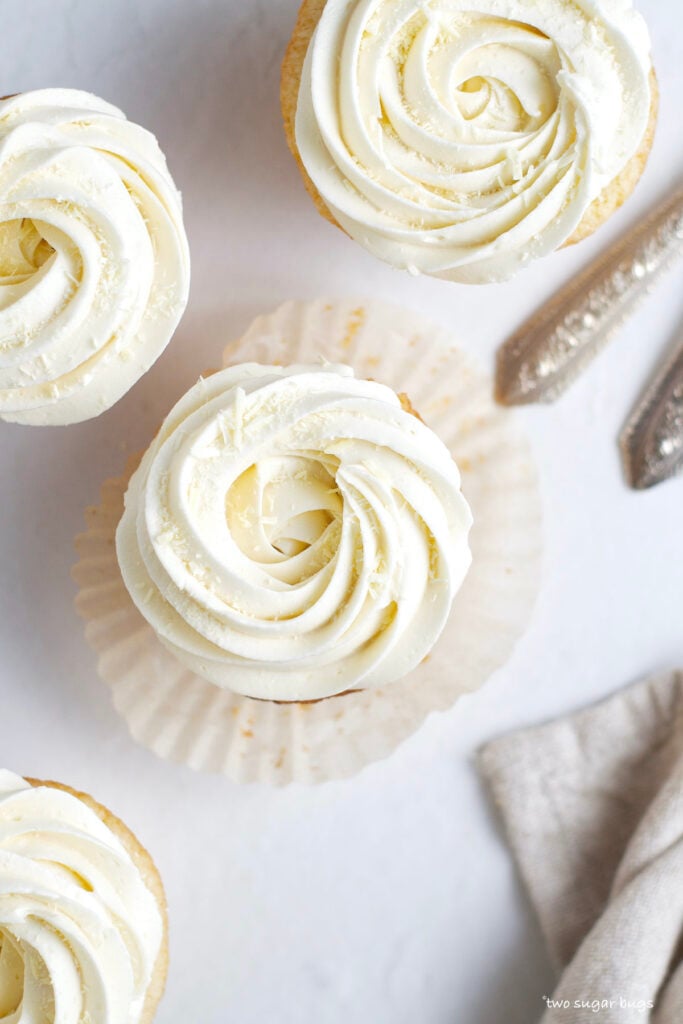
x: 593, y: 809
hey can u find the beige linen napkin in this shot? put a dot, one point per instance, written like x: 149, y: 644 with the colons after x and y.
x: 593, y: 808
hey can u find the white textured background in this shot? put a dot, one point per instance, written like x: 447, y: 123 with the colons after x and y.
x: 389, y: 899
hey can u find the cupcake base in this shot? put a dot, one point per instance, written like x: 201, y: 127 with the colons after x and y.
x: 619, y: 190
x: 150, y: 876
x: 181, y: 716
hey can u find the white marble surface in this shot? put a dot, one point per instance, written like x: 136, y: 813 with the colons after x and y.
x: 389, y: 899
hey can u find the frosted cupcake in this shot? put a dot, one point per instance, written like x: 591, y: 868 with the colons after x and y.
x: 82, y: 911
x: 295, y: 532
x: 94, y: 261
x: 288, y: 592
x: 465, y: 140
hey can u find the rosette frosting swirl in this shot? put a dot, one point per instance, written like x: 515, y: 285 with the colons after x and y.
x: 79, y: 931
x: 94, y: 262
x: 464, y: 138
x: 292, y: 533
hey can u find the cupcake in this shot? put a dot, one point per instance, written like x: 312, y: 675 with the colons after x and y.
x: 94, y: 261
x: 295, y: 532
x: 82, y: 911
x: 464, y: 141
x: 288, y: 592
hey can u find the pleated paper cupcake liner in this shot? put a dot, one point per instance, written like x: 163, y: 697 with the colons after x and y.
x: 180, y: 716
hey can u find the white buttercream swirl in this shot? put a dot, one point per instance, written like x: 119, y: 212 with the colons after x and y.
x: 79, y: 930
x: 464, y: 138
x: 94, y: 261
x: 293, y: 532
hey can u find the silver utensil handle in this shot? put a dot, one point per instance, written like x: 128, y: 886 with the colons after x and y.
x: 551, y: 349
x: 652, y: 440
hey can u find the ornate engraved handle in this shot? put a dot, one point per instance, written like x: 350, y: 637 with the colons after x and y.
x: 652, y: 440
x: 551, y: 349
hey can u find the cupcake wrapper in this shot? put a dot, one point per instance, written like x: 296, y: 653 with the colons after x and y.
x: 181, y: 716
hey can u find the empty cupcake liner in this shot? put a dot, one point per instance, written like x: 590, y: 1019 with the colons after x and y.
x: 180, y: 716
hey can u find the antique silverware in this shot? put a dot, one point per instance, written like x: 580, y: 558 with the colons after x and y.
x: 551, y: 349
x: 652, y: 440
